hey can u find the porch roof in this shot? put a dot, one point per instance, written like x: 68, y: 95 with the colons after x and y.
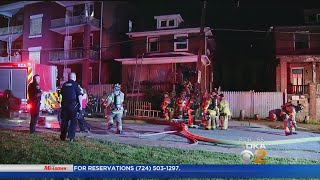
x: 165, y: 60
x: 299, y: 58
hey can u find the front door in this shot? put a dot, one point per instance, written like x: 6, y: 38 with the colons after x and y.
x: 297, y: 80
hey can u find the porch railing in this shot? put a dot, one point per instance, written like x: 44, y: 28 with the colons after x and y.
x: 71, y: 55
x: 12, y: 30
x: 72, y: 21
x: 13, y: 59
x: 298, y: 89
x: 144, y: 87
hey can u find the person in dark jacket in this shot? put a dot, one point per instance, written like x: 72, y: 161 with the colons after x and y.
x: 70, y: 105
x: 34, y: 93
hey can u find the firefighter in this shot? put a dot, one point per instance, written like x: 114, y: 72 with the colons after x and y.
x: 225, y: 113
x: 213, y: 111
x: 115, y: 101
x: 187, y: 87
x: 181, y: 105
x: 288, y: 113
x: 192, y: 108
x: 167, y: 107
x: 104, y: 104
x: 206, y: 119
x: 34, y: 92
x: 71, y: 104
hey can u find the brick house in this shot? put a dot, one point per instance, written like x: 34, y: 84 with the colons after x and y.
x: 61, y: 33
x: 167, y: 55
x: 298, y: 72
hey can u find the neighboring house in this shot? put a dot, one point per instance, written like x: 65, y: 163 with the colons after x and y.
x: 61, y: 33
x: 167, y: 55
x: 298, y: 52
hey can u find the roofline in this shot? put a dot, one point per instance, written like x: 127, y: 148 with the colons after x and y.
x: 169, y: 31
x: 16, y: 5
x: 165, y: 60
x: 5, y: 9
x: 294, y: 27
x: 161, y: 17
x: 75, y: 2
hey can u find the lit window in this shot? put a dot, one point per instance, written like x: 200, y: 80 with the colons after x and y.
x: 34, y: 54
x: 130, y: 25
x: 36, y: 25
x: 181, y: 42
x: 153, y: 44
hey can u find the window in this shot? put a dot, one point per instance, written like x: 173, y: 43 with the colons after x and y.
x: 163, y: 23
x: 318, y: 18
x: 171, y: 23
x: 297, y: 76
x: 153, y: 44
x: 36, y: 25
x: 181, y: 42
x: 167, y: 23
x: 91, y: 40
x: 301, y: 40
x: 130, y: 25
x: 297, y: 80
x: 34, y: 54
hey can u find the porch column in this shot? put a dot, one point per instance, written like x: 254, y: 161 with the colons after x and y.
x: 86, y: 55
x: 313, y: 101
x: 314, y: 75
x: 283, y: 75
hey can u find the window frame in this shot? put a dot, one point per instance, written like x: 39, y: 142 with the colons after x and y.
x: 294, y: 39
x: 291, y: 74
x: 148, y: 44
x: 176, y: 43
x: 35, y: 50
x: 34, y: 17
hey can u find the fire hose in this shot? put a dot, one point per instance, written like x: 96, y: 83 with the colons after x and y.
x: 182, y: 129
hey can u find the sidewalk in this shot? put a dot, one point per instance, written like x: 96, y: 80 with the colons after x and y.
x: 279, y: 125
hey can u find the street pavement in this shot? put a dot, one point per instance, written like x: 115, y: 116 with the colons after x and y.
x: 140, y: 132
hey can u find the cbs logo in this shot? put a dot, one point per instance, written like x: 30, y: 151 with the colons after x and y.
x: 248, y: 157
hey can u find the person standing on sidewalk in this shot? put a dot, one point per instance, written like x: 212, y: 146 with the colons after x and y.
x: 34, y: 92
x: 225, y: 112
x: 70, y: 105
x: 115, y: 101
x: 83, y: 124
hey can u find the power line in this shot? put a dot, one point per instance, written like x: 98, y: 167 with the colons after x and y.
x: 144, y: 42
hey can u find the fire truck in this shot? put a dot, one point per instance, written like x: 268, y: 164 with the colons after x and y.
x: 17, y: 76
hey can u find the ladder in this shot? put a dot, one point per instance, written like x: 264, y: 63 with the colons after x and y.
x: 135, y: 74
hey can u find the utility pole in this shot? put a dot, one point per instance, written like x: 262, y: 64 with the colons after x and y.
x: 201, y: 39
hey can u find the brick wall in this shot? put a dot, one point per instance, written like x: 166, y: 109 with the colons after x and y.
x: 318, y: 107
x: 283, y: 72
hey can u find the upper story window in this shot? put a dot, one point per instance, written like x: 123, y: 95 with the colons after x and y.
x: 34, y: 54
x: 301, y: 40
x: 36, y: 25
x: 130, y: 25
x: 318, y: 18
x: 181, y: 42
x: 168, y: 21
x: 153, y: 44
x: 91, y: 40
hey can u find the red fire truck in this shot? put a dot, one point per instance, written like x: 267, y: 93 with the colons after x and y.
x: 17, y: 76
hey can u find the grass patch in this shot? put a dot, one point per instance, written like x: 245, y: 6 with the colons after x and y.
x: 19, y: 147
